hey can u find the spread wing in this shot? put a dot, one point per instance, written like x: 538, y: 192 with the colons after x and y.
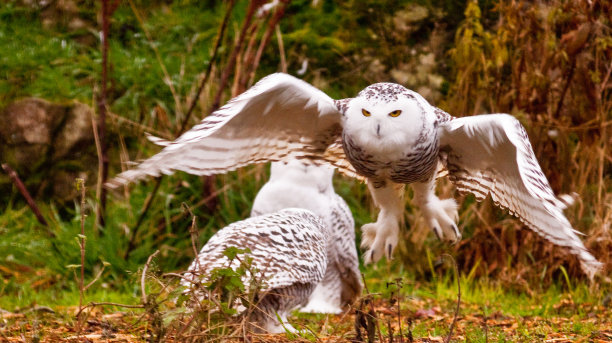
x: 491, y: 154
x: 334, y: 155
x: 278, y: 118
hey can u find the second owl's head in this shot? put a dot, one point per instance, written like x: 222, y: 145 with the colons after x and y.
x: 385, y: 117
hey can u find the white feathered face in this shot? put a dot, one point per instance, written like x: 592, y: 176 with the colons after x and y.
x: 384, y: 118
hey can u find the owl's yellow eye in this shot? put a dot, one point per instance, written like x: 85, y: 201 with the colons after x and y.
x: 365, y: 112
x: 395, y: 113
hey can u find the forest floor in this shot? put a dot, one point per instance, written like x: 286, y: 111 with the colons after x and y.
x: 426, y: 315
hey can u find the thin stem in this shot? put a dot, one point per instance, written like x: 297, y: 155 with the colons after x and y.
x: 265, y: 40
x: 167, y: 78
x: 144, y: 275
x: 253, y: 5
x: 80, y: 184
x: 146, y: 207
x: 93, y: 304
x: 24, y: 192
x: 450, y: 330
x: 102, y: 104
x: 209, y: 67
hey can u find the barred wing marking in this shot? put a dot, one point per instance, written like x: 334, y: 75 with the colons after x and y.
x: 334, y: 155
x: 279, y: 117
x: 287, y: 247
x: 491, y: 154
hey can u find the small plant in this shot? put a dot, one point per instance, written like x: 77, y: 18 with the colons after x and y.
x: 224, y: 301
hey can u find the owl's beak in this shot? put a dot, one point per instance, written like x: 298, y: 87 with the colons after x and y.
x: 378, y: 130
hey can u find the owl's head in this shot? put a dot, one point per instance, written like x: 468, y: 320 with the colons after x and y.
x: 386, y: 118
x: 303, y: 173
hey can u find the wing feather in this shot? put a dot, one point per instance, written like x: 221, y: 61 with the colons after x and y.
x: 492, y: 155
x: 287, y: 247
x: 279, y: 117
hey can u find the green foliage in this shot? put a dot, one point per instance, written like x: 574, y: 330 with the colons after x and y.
x: 230, y: 279
x: 37, y: 62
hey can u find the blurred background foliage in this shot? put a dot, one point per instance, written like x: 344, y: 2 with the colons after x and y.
x: 548, y: 63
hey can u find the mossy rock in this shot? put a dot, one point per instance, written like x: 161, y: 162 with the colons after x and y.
x: 49, y: 145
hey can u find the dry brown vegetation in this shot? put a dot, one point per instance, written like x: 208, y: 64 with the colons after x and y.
x: 549, y: 65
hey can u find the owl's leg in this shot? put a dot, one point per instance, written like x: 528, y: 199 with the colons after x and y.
x: 326, y: 296
x: 381, y: 237
x: 276, y: 304
x: 440, y: 215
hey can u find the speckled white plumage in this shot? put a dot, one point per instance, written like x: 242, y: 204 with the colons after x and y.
x: 302, y: 184
x: 289, y: 250
x: 282, y: 117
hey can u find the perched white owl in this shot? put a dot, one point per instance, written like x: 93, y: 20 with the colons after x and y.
x: 289, y: 250
x: 391, y: 136
x: 302, y: 184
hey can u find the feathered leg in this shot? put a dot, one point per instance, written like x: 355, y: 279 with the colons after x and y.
x: 276, y: 304
x: 381, y: 237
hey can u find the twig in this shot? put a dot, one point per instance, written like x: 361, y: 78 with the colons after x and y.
x: 253, y: 5
x: 145, y: 209
x: 281, y: 48
x: 209, y: 67
x: 372, y: 312
x: 450, y: 330
x: 23, y: 190
x: 570, y: 75
x: 280, y: 11
x: 167, y: 78
x: 100, y: 184
x: 94, y: 304
x: 102, y: 103
x: 399, y: 284
x: 247, y: 59
x: 80, y: 185
x: 143, y: 277
x: 485, y: 326
x: 193, y: 232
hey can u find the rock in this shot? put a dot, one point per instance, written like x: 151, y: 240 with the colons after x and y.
x: 76, y: 130
x: 48, y: 144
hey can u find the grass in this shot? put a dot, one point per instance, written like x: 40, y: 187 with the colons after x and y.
x: 510, y: 316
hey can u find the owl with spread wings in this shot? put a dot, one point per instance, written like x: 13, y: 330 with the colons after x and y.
x: 388, y: 135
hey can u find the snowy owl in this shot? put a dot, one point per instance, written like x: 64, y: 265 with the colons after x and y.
x: 391, y: 136
x: 302, y: 184
x: 289, y: 251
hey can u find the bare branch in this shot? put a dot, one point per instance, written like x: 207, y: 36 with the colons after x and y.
x: 102, y: 107
x: 209, y: 67
x: 450, y: 330
x: 23, y: 190
x: 144, y: 275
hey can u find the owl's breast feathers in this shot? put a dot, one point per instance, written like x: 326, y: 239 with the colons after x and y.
x: 416, y: 165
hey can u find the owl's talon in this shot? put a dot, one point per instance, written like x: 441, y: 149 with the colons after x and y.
x: 437, y: 233
x: 440, y: 215
x: 380, y: 238
x: 457, y: 235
